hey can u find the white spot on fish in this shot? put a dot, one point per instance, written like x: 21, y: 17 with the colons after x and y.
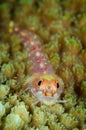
x: 41, y: 65
x: 37, y: 53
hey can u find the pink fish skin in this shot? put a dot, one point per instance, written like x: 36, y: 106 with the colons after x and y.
x: 43, y: 83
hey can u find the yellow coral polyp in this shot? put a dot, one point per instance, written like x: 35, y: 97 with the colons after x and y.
x: 13, y: 122
x: 11, y: 24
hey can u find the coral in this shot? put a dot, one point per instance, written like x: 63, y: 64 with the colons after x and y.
x: 70, y: 100
x: 5, y: 13
x: 2, y: 78
x: 4, y: 90
x: 66, y: 74
x: 12, y: 99
x: 7, y: 107
x: 81, y: 28
x: 75, y: 129
x: 72, y: 45
x: 13, y: 122
x: 20, y: 110
x: 49, y: 10
x: 61, y: 26
x: 2, y: 110
x: 43, y: 128
x: 8, y: 70
x: 51, y: 47
x: 4, y: 47
x: 4, y: 55
x: 57, y: 108
x: 12, y: 83
x: 44, y: 33
x: 20, y: 68
x: 32, y: 23
x: 79, y: 112
x: 78, y: 72
x: 55, y: 59
x: 69, y: 121
x: 57, y: 126
x: 39, y: 117
x: 16, y: 44
x: 68, y: 59
x: 83, y: 88
x: 83, y: 56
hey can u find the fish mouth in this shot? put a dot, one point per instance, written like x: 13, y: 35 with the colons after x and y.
x: 49, y: 93
x: 47, y: 100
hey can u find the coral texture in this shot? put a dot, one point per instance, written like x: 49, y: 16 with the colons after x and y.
x: 61, y: 26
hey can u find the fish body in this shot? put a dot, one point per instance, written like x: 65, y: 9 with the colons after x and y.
x: 43, y: 83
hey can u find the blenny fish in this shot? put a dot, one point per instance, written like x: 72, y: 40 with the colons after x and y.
x: 43, y: 83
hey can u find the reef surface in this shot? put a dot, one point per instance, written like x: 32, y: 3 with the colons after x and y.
x: 61, y: 26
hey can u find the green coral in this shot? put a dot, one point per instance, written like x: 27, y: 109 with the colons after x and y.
x: 44, y: 33
x: 2, y: 110
x: 69, y: 121
x: 2, y: 78
x: 20, y: 57
x: 51, y: 47
x: 20, y: 109
x: 12, y: 83
x: 8, y: 70
x: 12, y: 99
x: 61, y: 27
x: 68, y: 59
x: 20, y: 68
x: 79, y: 112
x: 15, y: 44
x: 33, y: 22
x: 39, y: 117
x: 66, y: 74
x: 78, y: 72
x: 57, y: 126
x: 55, y: 60
x: 5, y: 13
x: 83, y: 56
x: 4, y: 47
x: 57, y: 108
x: 4, y: 57
x: 70, y: 100
x: 13, y: 122
x: 72, y: 45
x: 4, y: 90
x: 83, y: 88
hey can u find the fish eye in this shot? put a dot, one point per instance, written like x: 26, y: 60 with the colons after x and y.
x: 57, y: 85
x: 39, y: 83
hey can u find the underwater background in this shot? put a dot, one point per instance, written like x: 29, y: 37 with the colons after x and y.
x: 61, y: 27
